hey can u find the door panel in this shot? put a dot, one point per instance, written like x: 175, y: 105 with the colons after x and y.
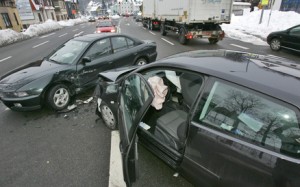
x: 239, y: 137
x: 102, y: 59
x: 135, y: 98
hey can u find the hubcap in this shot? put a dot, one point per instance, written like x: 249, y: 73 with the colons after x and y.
x: 108, y: 116
x: 61, y: 97
x: 141, y: 62
x: 275, y: 44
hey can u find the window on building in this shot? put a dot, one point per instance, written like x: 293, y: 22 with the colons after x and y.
x: 16, y: 18
x: 40, y: 17
x: 6, y: 20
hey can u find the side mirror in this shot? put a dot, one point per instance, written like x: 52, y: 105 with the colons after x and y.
x: 86, y: 60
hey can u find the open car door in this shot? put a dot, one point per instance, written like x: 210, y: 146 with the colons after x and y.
x: 135, y: 97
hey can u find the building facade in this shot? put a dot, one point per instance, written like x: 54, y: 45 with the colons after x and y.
x: 9, y: 16
x: 60, y: 10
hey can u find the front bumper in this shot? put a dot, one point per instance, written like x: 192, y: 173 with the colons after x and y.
x: 23, y: 104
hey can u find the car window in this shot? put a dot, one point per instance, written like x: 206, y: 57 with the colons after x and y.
x: 133, y: 97
x: 99, y: 49
x: 252, y: 117
x: 295, y: 31
x: 105, y: 24
x: 68, y: 52
x: 130, y: 43
x: 119, y: 44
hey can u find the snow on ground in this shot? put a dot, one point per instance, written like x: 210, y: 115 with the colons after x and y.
x: 247, y: 28
x: 8, y: 36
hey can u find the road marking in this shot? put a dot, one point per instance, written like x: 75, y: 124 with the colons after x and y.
x: 115, y: 169
x: 83, y: 27
x: 78, y: 34
x: 152, y: 33
x: 239, y: 46
x: 167, y: 41
x: 47, y: 35
x: 75, y: 30
x: 63, y: 35
x: 5, y: 58
x: 40, y: 44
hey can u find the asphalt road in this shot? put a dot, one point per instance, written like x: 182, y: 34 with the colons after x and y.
x: 44, y: 148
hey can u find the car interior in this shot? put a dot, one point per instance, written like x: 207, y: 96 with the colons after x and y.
x: 168, y: 125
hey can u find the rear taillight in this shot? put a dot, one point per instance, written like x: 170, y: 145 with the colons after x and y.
x: 189, y: 36
x: 155, y: 23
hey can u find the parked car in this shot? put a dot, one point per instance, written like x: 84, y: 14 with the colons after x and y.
x: 219, y: 118
x: 71, y: 68
x: 289, y: 39
x: 105, y: 26
x: 92, y: 19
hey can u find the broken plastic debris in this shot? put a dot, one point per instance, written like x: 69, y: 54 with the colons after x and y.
x: 176, y: 174
x: 71, y: 107
x: 88, y: 100
x: 48, y: 162
x: 79, y: 101
x: 65, y: 116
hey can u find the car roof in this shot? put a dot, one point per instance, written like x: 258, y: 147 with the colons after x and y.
x: 93, y: 37
x: 271, y: 75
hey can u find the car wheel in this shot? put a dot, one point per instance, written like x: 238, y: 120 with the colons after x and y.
x: 162, y: 30
x: 275, y: 44
x: 182, y: 38
x: 151, y: 26
x: 141, y: 61
x: 213, y: 40
x: 58, y: 97
x: 107, y: 116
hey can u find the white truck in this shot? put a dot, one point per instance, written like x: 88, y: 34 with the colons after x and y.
x: 188, y: 18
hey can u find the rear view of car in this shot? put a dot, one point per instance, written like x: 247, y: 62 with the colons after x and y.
x: 105, y: 26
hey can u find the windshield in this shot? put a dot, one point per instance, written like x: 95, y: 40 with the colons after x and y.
x: 105, y: 24
x: 68, y: 52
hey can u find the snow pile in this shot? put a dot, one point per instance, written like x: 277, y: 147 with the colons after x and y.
x: 8, y: 36
x: 39, y: 29
x: 247, y: 28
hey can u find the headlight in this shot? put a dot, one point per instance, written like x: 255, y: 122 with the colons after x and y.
x: 112, y: 30
x: 20, y: 94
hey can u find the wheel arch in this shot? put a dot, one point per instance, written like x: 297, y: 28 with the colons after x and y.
x: 51, y: 85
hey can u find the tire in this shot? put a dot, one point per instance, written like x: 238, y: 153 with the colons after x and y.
x: 58, y: 97
x: 182, y: 39
x: 141, y: 61
x: 151, y: 26
x: 275, y: 44
x: 163, y: 30
x: 107, y: 115
x: 213, y: 40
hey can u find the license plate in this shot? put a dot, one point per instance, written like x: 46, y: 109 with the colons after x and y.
x: 206, y: 33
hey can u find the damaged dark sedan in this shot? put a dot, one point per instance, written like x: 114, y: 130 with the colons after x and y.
x: 70, y: 69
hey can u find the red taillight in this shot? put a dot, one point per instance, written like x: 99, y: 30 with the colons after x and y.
x: 189, y: 36
x: 155, y: 23
x: 222, y: 34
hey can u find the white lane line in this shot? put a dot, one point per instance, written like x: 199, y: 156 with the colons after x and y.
x: 82, y: 27
x: 75, y: 30
x: 167, y: 41
x: 63, y: 35
x: 152, y: 33
x: 239, y: 46
x: 115, y: 169
x: 5, y: 58
x: 40, y: 44
x: 78, y: 34
x: 47, y: 35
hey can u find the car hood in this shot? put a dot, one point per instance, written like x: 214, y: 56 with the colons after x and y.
x: 112, y: 75
x: 30, y: 72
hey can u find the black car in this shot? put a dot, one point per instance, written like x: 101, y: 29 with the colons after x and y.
x: 219, y: 118
x: 289, y: 39
x: 71, y: 68
x: 92, y: 19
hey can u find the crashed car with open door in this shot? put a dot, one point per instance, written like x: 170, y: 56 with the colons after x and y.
x: 227, y: 118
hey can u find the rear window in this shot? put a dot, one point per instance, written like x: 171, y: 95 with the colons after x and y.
x: 251, y: 116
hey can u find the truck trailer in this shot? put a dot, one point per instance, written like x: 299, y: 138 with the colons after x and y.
x: 189, y: 19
